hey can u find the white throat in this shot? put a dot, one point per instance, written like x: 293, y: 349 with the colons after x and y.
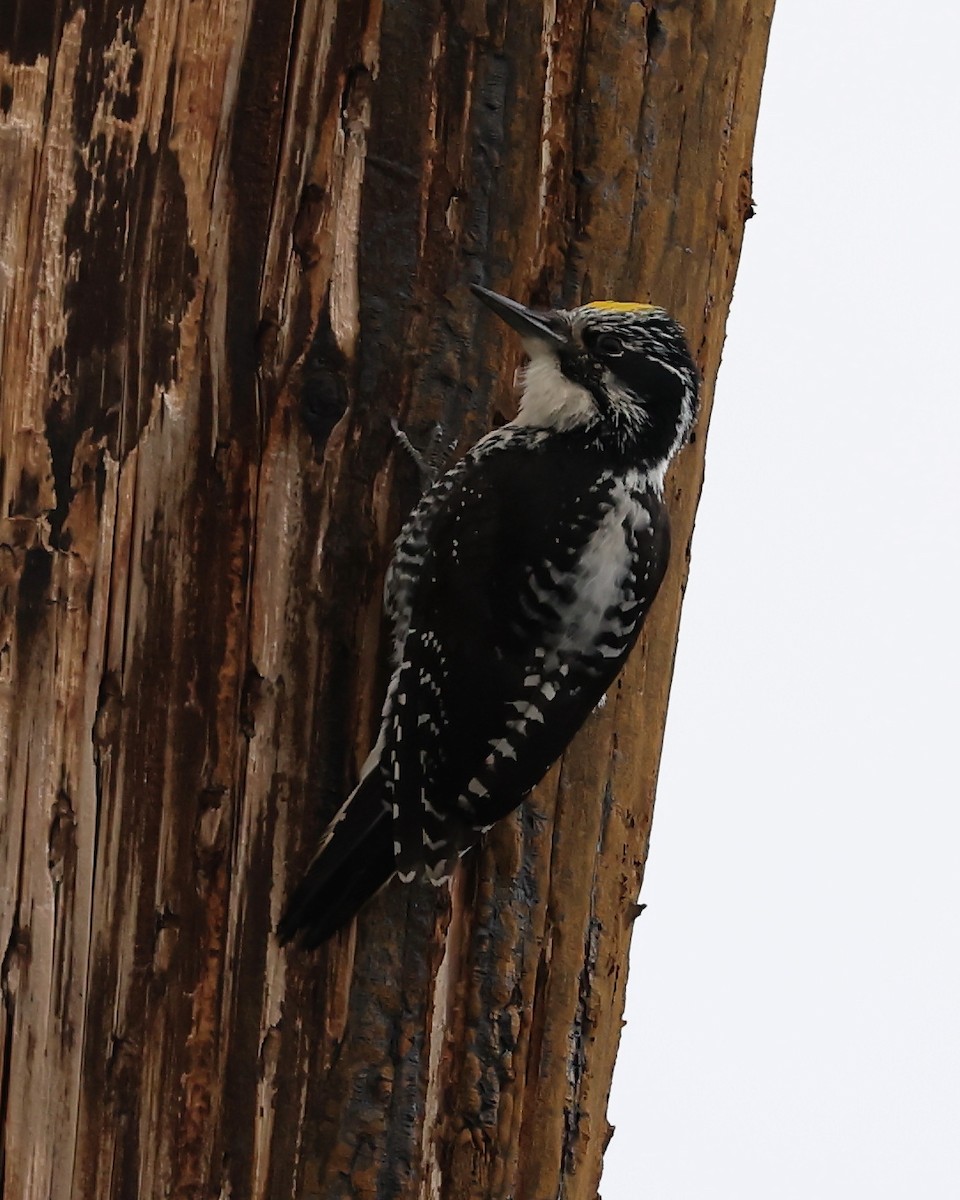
x: 549, y: 399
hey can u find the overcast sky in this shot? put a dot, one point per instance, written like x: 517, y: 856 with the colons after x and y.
x: 794, y: 1001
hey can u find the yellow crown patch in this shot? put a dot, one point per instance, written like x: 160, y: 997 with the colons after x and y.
x: 617, y: 306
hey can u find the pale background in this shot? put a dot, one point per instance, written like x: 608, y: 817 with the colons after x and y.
x: 794, y: 1002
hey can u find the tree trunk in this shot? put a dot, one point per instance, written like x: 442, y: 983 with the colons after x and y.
x: 235, y: 239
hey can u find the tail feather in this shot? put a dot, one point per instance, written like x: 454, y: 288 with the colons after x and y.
x: 353, y: 863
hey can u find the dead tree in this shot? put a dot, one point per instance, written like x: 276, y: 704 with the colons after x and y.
x: 235, y: 238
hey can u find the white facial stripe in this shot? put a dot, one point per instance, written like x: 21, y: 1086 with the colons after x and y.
x: 624, y: 398
x: 550, y: 400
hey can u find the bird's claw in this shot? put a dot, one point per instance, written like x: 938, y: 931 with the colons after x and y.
x: 429, y: 462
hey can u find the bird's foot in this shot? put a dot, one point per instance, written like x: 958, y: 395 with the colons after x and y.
x: 430, y: 461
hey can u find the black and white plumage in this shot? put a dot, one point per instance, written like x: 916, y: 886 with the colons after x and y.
x: 518, y: 587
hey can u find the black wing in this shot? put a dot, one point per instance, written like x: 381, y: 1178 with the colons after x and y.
x: 493, y: 679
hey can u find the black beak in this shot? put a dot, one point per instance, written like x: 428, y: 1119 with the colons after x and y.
x: 526, y: 321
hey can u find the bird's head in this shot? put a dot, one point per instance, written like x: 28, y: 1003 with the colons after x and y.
x: 621, y: 373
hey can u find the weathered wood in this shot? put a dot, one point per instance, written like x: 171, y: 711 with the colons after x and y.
x: 235, y: 239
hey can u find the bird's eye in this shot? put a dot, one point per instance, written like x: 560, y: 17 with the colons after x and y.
x: 609, y: 345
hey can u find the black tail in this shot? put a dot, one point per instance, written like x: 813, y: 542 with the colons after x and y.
x: 353, y: 863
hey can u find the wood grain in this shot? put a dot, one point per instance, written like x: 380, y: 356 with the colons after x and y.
x: 235, y: 239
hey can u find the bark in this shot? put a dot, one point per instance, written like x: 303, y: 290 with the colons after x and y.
x: 235, y: 238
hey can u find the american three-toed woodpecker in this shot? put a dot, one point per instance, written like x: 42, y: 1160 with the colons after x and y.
x: 518, y: 586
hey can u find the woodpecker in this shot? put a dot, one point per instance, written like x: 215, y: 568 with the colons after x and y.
x: 517, y: 588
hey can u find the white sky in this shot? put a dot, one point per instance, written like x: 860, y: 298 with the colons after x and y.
x: 794, y: 1002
